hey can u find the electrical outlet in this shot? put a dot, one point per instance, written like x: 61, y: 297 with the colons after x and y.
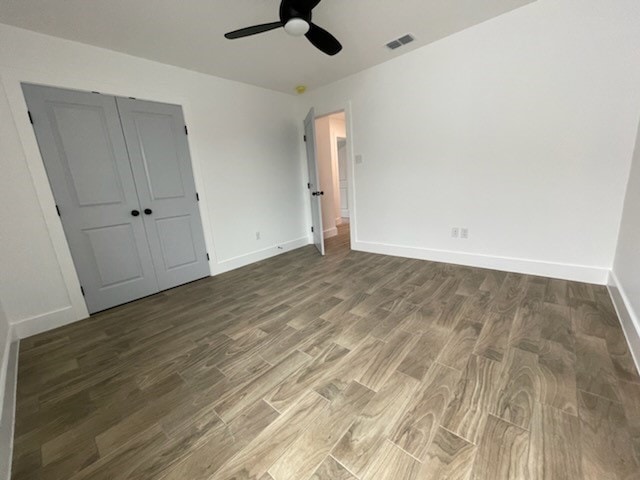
x: 257, y: 235
x: 464, y: 233
x: 359, y: 160
x: 455, y: 232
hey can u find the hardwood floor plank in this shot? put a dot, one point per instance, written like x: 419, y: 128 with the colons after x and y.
x: 460, y: 345
x: 424, y: 352
x: 417, y: 427
x: 474, y: 396
x: 253, y: 461
x: 304, y: 456
x: 356, y: 448
x: 558, y: 377
x: 606, y: 447
x: 330, y: 469
x: 554, y: 450
x: 494, y: 336
x: 256, y: 389
x: 448, y: 457
x: 391, y: 463
x: 288, y: 392
x: 387, y: 359
x: 227, y: 440
x: 594, y: 369
x: 502, y: 452
x: 519, y: 388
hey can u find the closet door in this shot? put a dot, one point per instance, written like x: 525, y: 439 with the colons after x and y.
x: 156, y: 139
x: 84, y: 153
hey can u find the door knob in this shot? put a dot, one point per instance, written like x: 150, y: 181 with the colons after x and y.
x: 135, y: 213
x: 148, y: 211
x: 317, y: 194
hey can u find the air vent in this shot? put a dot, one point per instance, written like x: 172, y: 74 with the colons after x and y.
x: 408, y: 38
x: 393, y: 45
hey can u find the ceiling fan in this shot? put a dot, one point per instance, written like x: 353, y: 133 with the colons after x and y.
x: 295, y: 18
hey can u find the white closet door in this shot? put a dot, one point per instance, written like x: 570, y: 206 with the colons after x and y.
x: 156, y: 139
x: 84, y: 153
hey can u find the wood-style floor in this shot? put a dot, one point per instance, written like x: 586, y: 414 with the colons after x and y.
x: 352, y: 366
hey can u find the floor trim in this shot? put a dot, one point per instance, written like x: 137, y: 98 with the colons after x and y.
x: 628, y: 318
x: 330, y: 232
x: 579, y: 273
x: 249, y: 258
x: 8, y: 417
x: 43, y: 323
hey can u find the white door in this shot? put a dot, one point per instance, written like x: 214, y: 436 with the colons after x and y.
x: 157, y: 142
x: 314, y: 184
x: 342, y: 172
x: 84, y: 153
x: 121, y: 176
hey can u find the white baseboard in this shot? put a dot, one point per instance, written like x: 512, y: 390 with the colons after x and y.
x: 244, y: 260
x: 8, y: 412
x: 580, y: 273
x: 330, y: 232
x: 344, y: 213
x: 42, y: 323
x: 628, y: 318
x: 4, y: 366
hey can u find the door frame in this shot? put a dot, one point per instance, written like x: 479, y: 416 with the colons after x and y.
x: 351, y: 173
x: 12, y: 81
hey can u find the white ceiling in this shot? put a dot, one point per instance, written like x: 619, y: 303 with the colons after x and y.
x: 189, y: 33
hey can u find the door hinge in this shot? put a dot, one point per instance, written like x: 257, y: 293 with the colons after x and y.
x: 197, y: 197
x: 58, y: 210
x: 311, y: 229
x: 309, y: 186
x: 30, y: 117
x: 82, y: 290
x: 186, y: 130
x: 305, y: 138
x: 208, y: 257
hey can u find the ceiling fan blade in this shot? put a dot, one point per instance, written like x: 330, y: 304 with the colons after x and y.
x: 323, y: 40
x: 245, y: 32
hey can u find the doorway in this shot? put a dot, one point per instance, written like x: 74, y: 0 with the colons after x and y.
x: 331, y: 145
x: 121, y: 175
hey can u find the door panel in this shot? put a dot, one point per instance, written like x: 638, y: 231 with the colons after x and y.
x: 157, y: 144
x: 314, y: 180
x: 84, y: 153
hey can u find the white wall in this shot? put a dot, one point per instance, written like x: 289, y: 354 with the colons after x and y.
x: 5, y: 340
x: 625, y: 281
x: 521, y: 129
x: 244, y: 144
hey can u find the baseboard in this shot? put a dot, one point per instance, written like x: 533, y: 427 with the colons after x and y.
x: 344, y: 213
x: 43, y: 323
x: 4, y: 366
x: 579, y: 273
x: 244, y: 260
x: 330, y: 232
x: 7, y: 418
x: 628, y: 318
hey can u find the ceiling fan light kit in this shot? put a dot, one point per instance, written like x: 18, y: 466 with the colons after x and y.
x: 295, y: 18
x: 297, y: 27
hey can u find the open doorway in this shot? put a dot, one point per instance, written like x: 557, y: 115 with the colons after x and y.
x: 331, y: 145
